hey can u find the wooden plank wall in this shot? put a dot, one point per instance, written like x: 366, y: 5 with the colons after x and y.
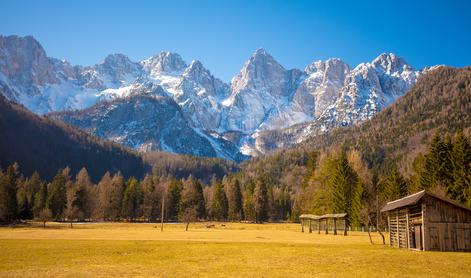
x: 448, y: 227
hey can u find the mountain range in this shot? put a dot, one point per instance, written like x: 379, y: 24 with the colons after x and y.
x: 164, y: 103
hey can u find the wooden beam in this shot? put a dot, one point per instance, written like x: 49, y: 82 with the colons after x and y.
x: 407, y: 228
x: 397, y: 228
x: 335, y: 226
x: 319, y: 226
x: 326, y: 226
x: 345, y: 226
x: 310, y: 227
x: 423, y: 227
x: 389, y: 227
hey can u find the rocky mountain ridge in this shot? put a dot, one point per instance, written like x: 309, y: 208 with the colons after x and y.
x: 264, y: 97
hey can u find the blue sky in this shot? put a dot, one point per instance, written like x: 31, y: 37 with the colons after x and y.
x: 223, y: 34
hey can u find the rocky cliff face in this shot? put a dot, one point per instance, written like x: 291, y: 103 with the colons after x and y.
x: 262, y: 100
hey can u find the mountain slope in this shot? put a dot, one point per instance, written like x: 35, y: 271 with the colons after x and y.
x: 148, y: 120
x: 439, y: 102
x: 45, y: 145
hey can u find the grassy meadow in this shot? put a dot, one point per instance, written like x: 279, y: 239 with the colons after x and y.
x: 233, y: 250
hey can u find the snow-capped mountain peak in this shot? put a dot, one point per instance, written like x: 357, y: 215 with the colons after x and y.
x: 262, y: 96
x: 164, y: 63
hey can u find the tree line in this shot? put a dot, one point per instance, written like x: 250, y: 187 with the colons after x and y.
x: 277, y: 188
x: 113, y: 198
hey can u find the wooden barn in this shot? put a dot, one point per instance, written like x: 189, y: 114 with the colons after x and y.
x: 425, y: 221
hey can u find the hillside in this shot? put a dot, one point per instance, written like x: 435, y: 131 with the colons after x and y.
x: 42, y: 144
x: 439, y: 102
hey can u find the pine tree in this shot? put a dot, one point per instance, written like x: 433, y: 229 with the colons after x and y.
x: 249, y: 208
x: 260, y: 200
x: 200, y: 203
x: 31, y: 187
x: 437, y: 165
x: 24, y: 208
x: 343, y: 181
x: 57, y: 199
x: 132, y: 199
x: 234, y: 196
x: 151, y: 203
x: 461, y: 168
x: 219, y: 203
x: 40, y: 200
x: 173, y: 200
x: 396, y: 186
x: 8, y: 201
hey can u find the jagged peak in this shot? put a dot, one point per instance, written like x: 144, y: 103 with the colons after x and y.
x: 16, y: 42
x: 321, y: 65
x: 261, y: 59
x: 196, y: 64
x: 260, y: 51
x: 165, y: 61
x: 116, y: 58
x: 390, y: 62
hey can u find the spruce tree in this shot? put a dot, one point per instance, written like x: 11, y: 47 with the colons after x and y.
x: 461, y: 168
x: 132, y: 199
x: 343, y: 181
x: 219, y: 204
x: 199, y: 198
x: 40, y: 200
x: 9, y: 193
x: 57, y: 199
x: 173, y: 199
x: 249, y: 208
x: 234, y: 196
x: 260, y: 200
x: 396, y: 186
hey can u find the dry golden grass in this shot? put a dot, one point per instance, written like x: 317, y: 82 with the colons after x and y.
x: 237, y: 250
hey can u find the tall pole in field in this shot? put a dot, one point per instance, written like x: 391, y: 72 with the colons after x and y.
x: 164, y: 193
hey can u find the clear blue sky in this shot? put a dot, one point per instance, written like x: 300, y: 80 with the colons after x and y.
x: 223, y: 34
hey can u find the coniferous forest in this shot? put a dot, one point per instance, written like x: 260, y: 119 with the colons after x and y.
x: 334, y: 181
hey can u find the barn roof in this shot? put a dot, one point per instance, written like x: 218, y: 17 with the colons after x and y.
x: 414, y: 199
x: 319, y: 217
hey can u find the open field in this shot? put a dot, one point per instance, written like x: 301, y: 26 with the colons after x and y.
x: 237, y: 250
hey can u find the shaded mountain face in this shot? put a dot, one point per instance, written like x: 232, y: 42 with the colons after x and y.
x: 41, y: 144
x: 264, y: 97
x: 148, y: 120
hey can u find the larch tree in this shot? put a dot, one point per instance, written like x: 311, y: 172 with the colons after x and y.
x: 152, y: 197
x: 105, y: 195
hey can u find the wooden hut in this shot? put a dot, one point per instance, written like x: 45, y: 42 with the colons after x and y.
x: 326, y: 222
x: 425, y: 221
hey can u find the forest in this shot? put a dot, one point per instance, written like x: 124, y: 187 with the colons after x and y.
x: 338, y: 180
